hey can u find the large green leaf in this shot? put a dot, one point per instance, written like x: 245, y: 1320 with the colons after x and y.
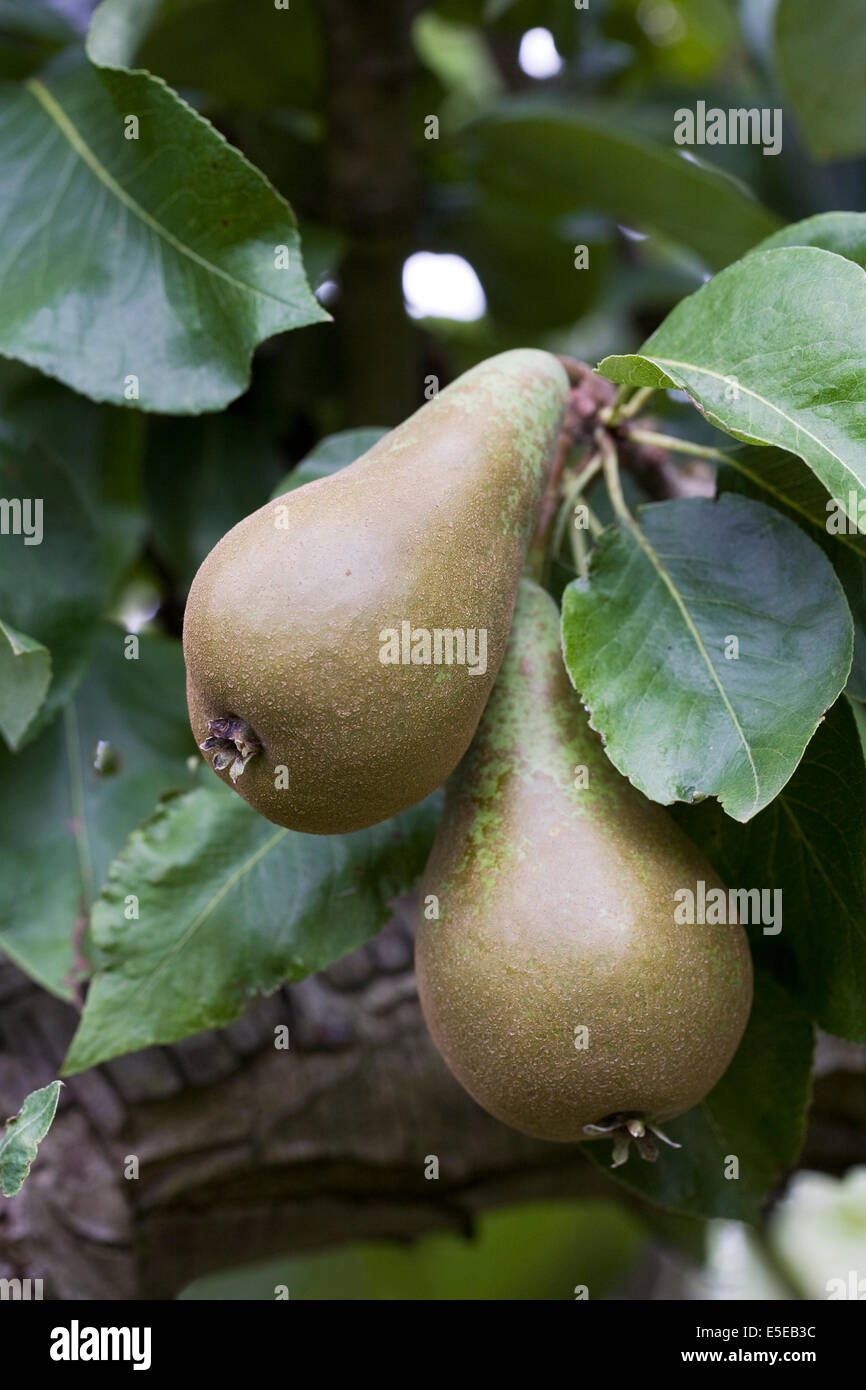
x: 61, y: 822
x: 773, y: 350
x: 707, y: 642
x: 23, y: 1134
x: 175, y: 276
x: 756, y: 1115
x: 51, y: 586
x: 774, y: 476
x: 842, y: 232
x: 810, y: 844
x: 228, y: 906
x: 557, y: 162
x: 821, y: 57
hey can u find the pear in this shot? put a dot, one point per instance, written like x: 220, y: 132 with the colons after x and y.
x: 342, y: 641
x: 553, y: 976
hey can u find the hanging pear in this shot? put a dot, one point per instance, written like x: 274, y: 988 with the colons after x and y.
x: 555, y: 980
x: 341, y: 642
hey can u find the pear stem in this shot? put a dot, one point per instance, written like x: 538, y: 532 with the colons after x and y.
x: 536, y: 557
x: 623, y: 408
x: 611, y: 476
x: 575, y: 486
x: 578, y: 552
x: 609, y: 414
x: 675, y: 445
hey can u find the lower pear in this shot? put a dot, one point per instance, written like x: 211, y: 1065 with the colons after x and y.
x: 553, y: 976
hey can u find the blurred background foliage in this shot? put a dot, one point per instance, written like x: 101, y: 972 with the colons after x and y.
x: 555, y: 128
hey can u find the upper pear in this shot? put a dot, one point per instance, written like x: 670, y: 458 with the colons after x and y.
x: 316, y: 678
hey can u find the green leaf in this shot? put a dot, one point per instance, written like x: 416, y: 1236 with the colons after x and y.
x: 772, y: 350
x: 557, y: 162
x: 783, y: 480
x: 25, y: 675
x: 331, y: 454
x: 820, y: 57
x: 174, y: 230
x: 229, y: 906
x: 841, y: 232
x: 50, y: 582
x: 647, y: 642
x: 61, y: 822
x: 810, y: 844
x: 23, y: 1135
x: 756, y: 1114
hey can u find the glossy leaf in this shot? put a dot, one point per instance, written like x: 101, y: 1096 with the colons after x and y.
x: 706, y: 643
x: 229, y: 906
x: 810, y: 845
x: 756, y: 1115
x: 172, y: 230
x: 773, y: 350
x: 841, y: 232
x: 784, y: 481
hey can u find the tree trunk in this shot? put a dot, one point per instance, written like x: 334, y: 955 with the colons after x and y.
x: 246, y: 1151
x: 373, y: 195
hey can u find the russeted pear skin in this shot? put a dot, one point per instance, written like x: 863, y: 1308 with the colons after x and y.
x: 556, y: 913
x: 290, y: 612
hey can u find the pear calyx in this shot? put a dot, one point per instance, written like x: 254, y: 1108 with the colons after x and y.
x: 233, y: 744
x: 623, y: 1128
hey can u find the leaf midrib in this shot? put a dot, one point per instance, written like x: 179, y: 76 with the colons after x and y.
x: 666, y: 579
x: 762, y: 400
x: 55, y: 111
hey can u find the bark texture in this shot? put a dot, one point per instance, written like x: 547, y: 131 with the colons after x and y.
x: 245, y: 1151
